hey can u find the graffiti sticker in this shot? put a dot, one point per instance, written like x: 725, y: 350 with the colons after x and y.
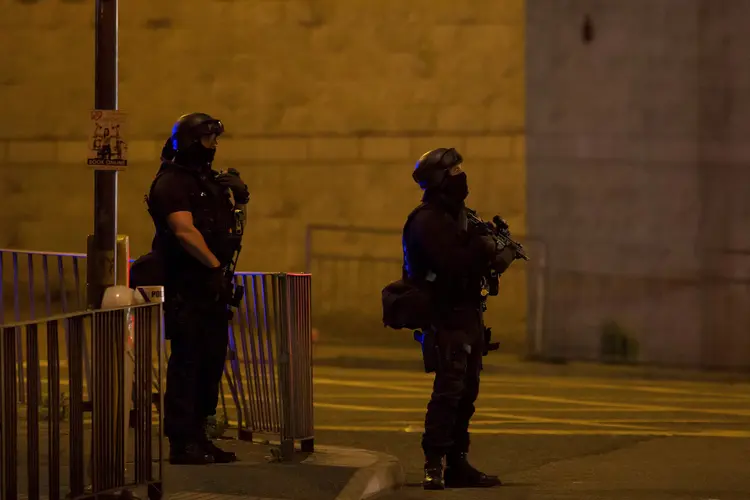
x: 107, y: 147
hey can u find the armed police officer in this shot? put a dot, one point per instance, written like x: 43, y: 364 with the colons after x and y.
x: 448, y: 258
x: 193, y: 249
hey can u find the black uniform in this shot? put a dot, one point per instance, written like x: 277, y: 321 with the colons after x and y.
x: 441, y: 252
x: 196, y: 306
x: 196, y: 323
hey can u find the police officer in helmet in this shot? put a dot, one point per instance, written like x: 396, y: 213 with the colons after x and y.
x: 442, y: 252
x: 192, y: 211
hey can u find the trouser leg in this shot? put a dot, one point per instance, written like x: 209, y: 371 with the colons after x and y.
x: 215, y: 325
x: 447, y: 393
x: 466, y: 405
x: 180, y: 418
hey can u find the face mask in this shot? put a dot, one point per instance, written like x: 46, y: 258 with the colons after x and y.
x: 205, y: 155
x: 196, y: 156
x: 456, y: 187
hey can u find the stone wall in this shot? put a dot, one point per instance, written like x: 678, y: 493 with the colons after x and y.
x: 327, y: 105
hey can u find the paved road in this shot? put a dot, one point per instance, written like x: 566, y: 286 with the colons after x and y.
x: 556, y: 437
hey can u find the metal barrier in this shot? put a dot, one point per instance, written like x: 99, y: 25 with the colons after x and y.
x: 270, y: 362
x: 641, y: 305
x: 58, y: 288
x: 106, y: 433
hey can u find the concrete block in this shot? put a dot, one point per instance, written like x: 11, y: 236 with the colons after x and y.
x: 144, y: 150
x: 263, y: 150
x: 72, y: 152
x: 32, y: 152
x: 320, y: 148
x: 489, y: 148
x: 386, y: 148
x: 421, y: 145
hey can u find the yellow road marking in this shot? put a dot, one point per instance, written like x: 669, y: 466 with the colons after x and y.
x: 640, y: 388
x: 532, y: 420
x: 560, y: 421
x: 628, y: 406
x: 535, y: 409
x: 675, y: 421
x: 486, y: 396
x: 546, y: 432
x: 370, y: 385
x: 545, y: 399
x: 738, y: 391
x: 483, y: 412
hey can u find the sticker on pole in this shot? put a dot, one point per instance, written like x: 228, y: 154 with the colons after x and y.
x: 107, y: 147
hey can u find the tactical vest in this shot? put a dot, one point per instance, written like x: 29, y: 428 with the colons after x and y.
x: 212, y: 211
x: 415, y: 266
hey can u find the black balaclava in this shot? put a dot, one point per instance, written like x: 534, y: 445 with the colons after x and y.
x: 455, y: 187
x: 196, y: 156
x: 432, y: 173
x: 168, y: 152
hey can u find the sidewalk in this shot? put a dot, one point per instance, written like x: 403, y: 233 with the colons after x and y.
x: 409, y: 357
x: 330, y: 473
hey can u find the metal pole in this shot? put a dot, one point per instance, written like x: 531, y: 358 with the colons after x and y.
x: 102, y: 257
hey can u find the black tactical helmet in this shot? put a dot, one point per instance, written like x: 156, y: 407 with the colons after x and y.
x: 433, y: 166
x: 190, y: 128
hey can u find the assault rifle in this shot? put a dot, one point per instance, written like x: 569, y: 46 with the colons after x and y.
x: 499, y: 230
x: 236, y: 291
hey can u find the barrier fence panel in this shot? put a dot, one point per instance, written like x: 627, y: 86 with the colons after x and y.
x: 269, y: 364
x: 643, y: 304
x: 36, y: 284
x: 51, y: 433
x: 40, y: 284
x: 298, y: 402
x: 269, y: 370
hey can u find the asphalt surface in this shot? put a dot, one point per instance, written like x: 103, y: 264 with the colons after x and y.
x: 550, y: 432
x: 598, y: 433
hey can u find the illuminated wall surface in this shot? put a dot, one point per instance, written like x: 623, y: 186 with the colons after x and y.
x: 638, y: 177
x: 327, y: 105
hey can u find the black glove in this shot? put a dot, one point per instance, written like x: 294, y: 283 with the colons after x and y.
x: 487, y: 246
x: 218, y: 286
x: 503, y: 259
x: 231, y: 179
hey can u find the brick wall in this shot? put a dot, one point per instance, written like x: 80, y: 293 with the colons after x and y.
x: 327, y: 105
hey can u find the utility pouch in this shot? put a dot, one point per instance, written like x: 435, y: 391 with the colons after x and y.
x: 430, y: 351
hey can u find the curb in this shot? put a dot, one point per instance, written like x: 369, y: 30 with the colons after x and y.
x: 378, y: 472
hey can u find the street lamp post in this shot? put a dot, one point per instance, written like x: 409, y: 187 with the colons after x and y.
x: 102, y: 254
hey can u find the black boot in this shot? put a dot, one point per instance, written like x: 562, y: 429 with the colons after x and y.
x: 189, y: 453
x: 220, y: 456
x: 433, y: 473
x: 460, y: 474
